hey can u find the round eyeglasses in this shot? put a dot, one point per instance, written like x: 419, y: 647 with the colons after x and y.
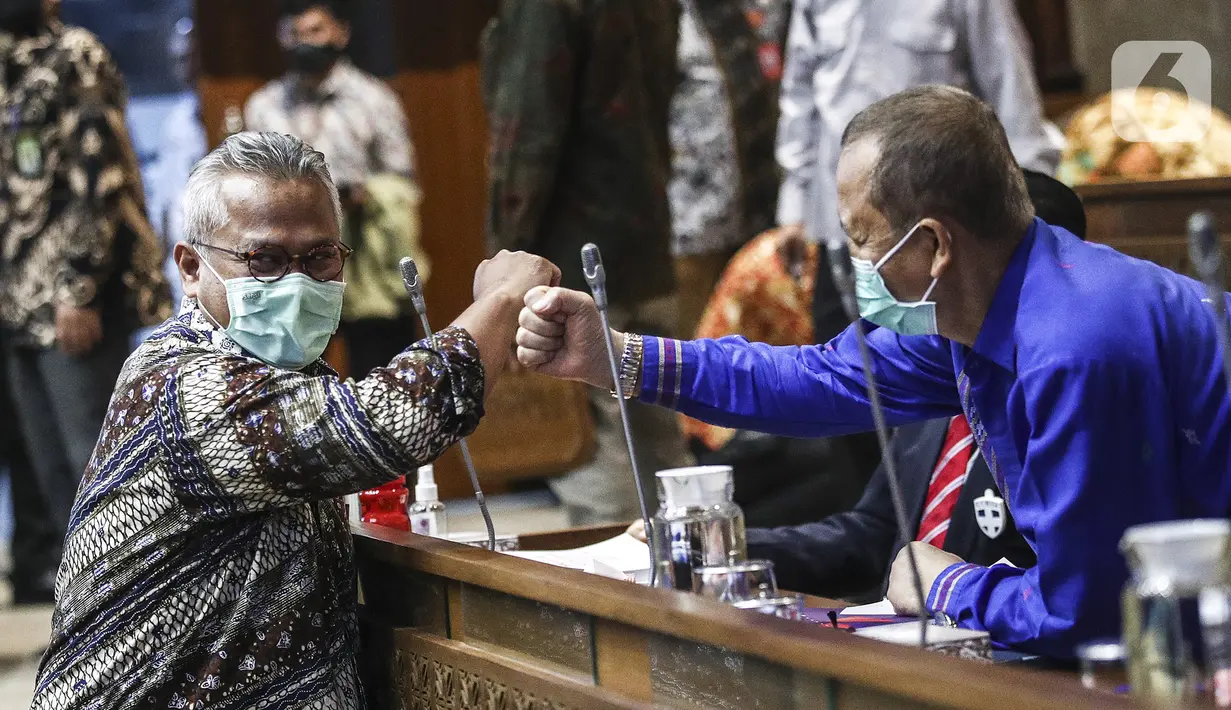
x: 271, y: 262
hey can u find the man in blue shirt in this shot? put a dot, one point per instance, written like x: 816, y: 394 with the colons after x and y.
x: 1092, y: 381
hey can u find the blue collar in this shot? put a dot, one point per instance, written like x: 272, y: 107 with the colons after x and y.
x: 996, y: 341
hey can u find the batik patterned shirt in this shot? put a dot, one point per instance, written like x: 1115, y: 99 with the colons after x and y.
x: 72, y: 226
x: 208, y: 562
x: 707, y: 210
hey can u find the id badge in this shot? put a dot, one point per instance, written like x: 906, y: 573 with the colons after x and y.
x: 28, y: 154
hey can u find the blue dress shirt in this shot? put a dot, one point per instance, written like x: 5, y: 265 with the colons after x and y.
x: 1094, y: 390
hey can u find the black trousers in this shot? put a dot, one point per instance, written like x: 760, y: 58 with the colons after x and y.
x: 56, y: 404
x: 36, y: 549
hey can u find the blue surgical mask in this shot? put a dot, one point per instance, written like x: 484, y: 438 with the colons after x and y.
x: 877, y: 305
x: 286, y: 323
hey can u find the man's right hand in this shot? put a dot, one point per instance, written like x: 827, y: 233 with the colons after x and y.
x: 512, y: 274
x: 561, y: 335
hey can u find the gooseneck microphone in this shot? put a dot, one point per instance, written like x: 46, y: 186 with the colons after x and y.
x: 844, y: 279
x: 596, y: 277
x: 1205, y: 251
x: 414, y: 287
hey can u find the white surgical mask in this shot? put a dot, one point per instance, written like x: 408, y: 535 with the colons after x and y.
x: 878, y: 305
x: 286, y: 323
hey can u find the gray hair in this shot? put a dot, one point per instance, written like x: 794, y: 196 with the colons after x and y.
x: 274, y: 156
x: 943, y: 153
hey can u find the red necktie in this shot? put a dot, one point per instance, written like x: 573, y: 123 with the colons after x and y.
x: 947, y: 481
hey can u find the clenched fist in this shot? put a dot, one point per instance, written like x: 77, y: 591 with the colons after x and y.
x: 512, y: 274
x: 561, y: 334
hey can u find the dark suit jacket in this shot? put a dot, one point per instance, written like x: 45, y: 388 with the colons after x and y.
x: 848, y: 555
x: 578, y: 94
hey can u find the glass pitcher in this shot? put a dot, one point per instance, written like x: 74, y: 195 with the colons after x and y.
x: 1173, y: 565
x: 697, y: 524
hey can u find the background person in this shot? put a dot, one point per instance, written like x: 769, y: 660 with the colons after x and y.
x: 80, y: 267
x: 578, y: 96
x: 357, y: 122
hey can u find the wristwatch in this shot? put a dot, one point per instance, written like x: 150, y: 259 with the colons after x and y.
x: 630, y: 367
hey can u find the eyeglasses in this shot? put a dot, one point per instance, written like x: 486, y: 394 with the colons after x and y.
x: 271, y: 262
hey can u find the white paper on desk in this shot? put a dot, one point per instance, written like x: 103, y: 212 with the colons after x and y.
x: 880, y: 608
x: 907, y: 634
x: 622, y: 557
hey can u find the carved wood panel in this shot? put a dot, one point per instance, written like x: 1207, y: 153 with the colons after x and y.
x: 422, y: 683
x: 405, y: 668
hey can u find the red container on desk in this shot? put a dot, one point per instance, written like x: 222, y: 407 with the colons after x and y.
x: 386, y: 505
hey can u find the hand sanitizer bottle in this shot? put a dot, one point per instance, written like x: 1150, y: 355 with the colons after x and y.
x: 427, y: 513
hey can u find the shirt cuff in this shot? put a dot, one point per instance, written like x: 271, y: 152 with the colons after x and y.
x: 662, y: 371
x: 950, y: 590
x: 791, y: 201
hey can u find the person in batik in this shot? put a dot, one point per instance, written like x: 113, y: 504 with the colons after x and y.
x: 80, y: 267
x: 724, y: 114
x: 208, y: 562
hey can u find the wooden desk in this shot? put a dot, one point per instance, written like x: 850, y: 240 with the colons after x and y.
x: 450, y: 626
x: 1149, y: 220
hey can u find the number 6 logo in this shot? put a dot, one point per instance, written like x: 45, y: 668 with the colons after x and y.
x: 1161, y: 92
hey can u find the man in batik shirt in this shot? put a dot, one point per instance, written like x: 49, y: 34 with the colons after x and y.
x: 209, y: 563
x: 80, y: 267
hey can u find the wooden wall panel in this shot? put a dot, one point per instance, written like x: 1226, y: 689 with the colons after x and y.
x: 1047, y: 23
x: 238, y: 38
x: 448, y: 128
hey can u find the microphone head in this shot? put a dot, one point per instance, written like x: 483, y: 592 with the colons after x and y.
x: 1200, y: 222
x: 596, y: 277
x: 414, y: 286
x: 591, y: 263
x: 410, y: 273
x: 843, y: 273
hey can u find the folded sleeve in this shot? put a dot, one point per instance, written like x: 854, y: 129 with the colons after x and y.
x: 801, y: 391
